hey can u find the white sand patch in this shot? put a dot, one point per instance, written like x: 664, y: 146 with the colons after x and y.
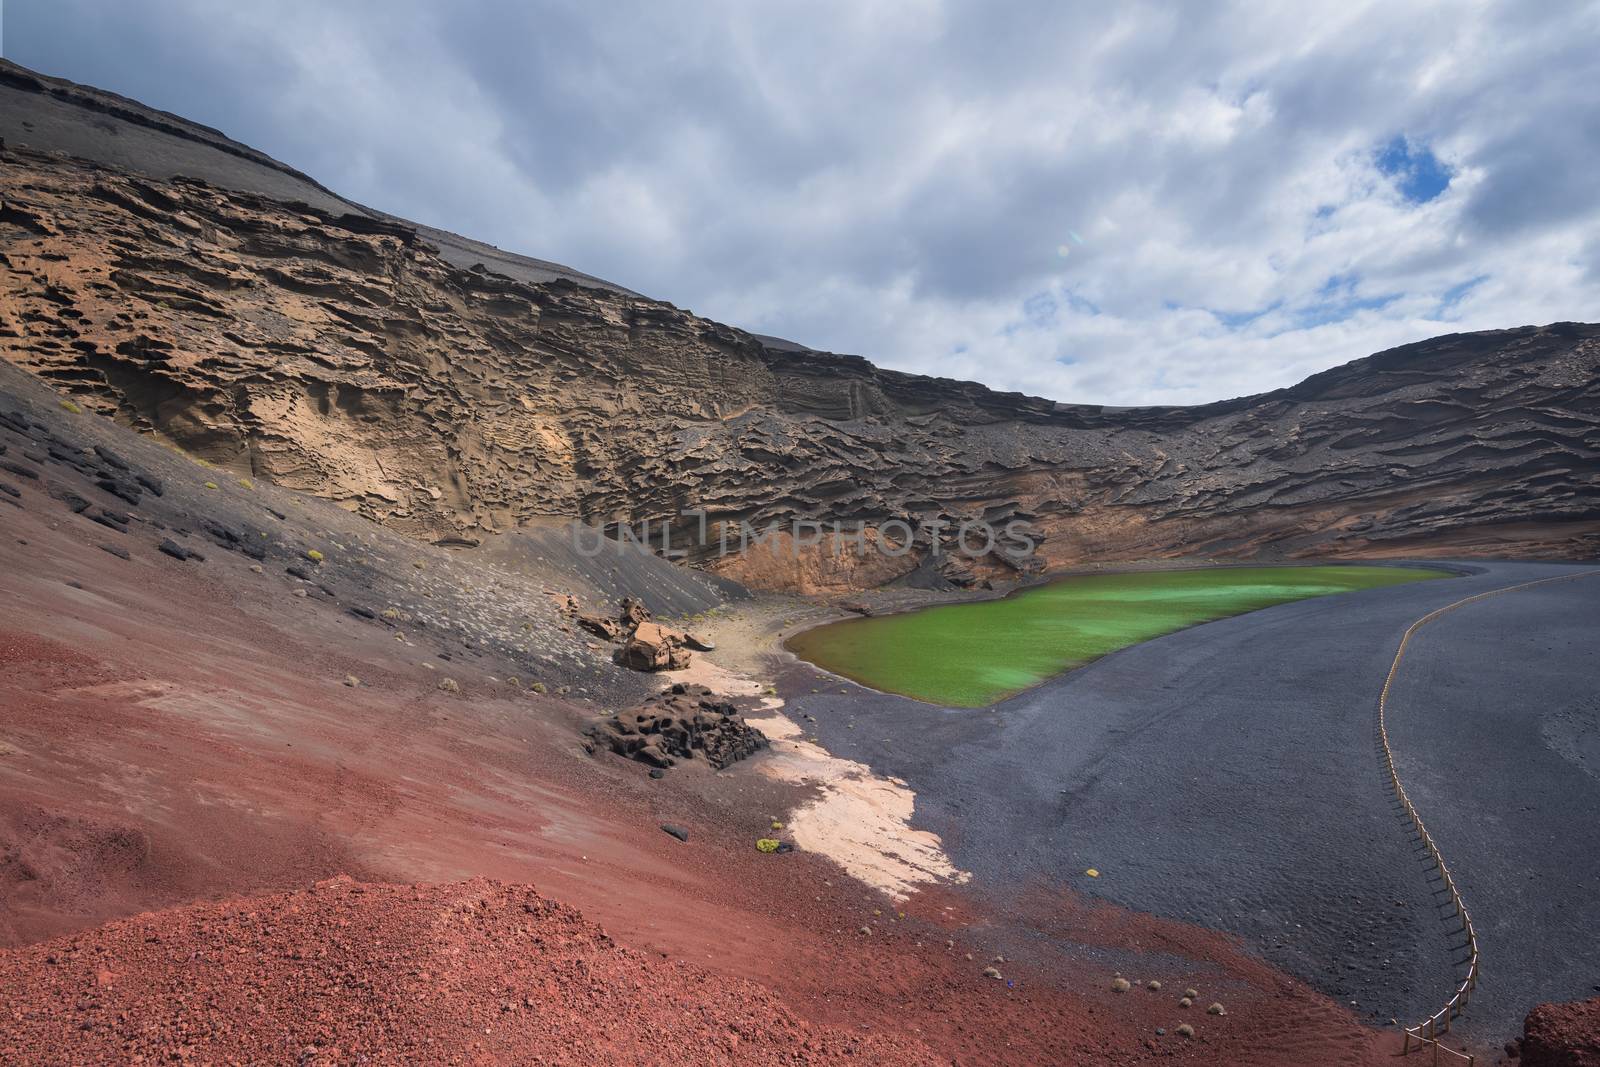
x: 861, y: 821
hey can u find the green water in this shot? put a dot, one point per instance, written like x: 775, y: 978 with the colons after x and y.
x: 971, y: 655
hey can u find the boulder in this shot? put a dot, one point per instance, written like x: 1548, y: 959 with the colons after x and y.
x: 696, y: 642
x: 634, y: 612
x: 652, y: 647
x: 609, y: 629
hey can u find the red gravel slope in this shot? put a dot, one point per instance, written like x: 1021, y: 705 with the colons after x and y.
x: 1562, y: 1035
x: 468, y: 972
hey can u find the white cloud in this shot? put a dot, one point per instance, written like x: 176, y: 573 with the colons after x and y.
x: 900, y: 179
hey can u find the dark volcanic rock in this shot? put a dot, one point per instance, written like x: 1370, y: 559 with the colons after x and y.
x: 109, y: 520
x: 73, y: 501
x: 116, y: 550
x: 685, y: 722
x: 177, y: 551
x: 124, y: 490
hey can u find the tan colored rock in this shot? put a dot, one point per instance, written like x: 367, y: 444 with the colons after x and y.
x: 360, y: 364
x: 653, y: 647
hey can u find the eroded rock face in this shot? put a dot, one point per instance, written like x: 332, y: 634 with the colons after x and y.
x: 343, y: 355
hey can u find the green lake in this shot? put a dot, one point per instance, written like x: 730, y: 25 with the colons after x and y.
x: 974, y: 654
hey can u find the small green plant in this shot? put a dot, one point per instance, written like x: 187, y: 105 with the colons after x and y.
x: 247, y: 483
x: 312, y: 554
x: 67, y: 405
x: 766, y: 844
x: 212, y: 485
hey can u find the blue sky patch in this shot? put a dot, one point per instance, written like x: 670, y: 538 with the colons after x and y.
x: 1416, y: 171
x: 1337, y: 300
x: 1236, y: 320
x: 1452, y: 296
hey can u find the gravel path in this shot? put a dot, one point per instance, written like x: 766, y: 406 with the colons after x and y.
x: 1229, y: 775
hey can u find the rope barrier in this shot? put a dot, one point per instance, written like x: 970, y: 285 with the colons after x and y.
x: 1428, y: 1030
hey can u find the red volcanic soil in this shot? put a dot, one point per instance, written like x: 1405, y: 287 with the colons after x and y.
x: 343, y: 972
x: 1562, y: 1035
x: 179, y: 736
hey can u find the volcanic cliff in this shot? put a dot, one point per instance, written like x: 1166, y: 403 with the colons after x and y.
x: 203, y: 293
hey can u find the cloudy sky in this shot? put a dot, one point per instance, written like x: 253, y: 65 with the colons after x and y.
x: 1099, y: 202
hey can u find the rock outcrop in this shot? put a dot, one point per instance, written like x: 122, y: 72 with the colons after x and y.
x: 684, y: 722
x: 646, y: 644
x: 351, y: 355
